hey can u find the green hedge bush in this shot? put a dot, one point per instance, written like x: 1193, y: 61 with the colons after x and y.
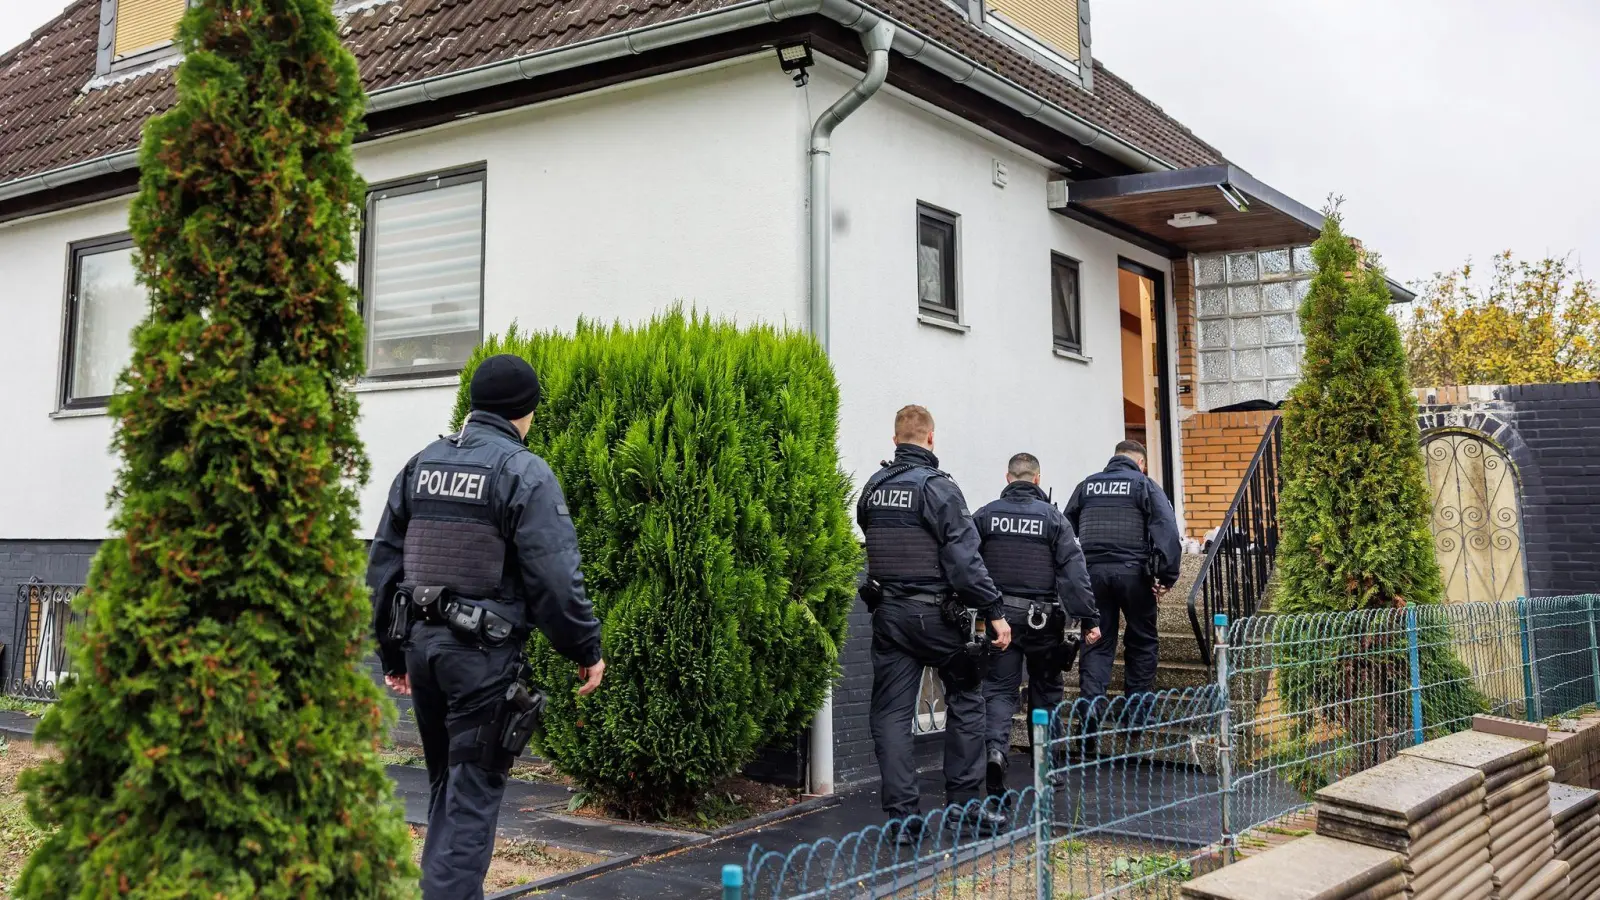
x: 700, y: 464
x: 1354, y: 520
x: 220, y: 739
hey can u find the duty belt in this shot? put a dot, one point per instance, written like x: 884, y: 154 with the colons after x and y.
x: 1037, y: 611
x: 468, y: 620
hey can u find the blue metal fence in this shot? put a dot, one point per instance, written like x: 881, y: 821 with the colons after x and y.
x: 1132, y: 796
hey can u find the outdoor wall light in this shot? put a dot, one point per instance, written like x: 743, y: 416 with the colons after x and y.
x: 1190, y: 220
x: 796, y: 58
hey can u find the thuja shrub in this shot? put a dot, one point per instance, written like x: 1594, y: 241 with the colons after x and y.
x: 1354, y: 515
x: 700, y: 465
x: 220, y: 738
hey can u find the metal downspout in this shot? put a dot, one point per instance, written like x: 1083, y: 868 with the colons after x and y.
x: 877, y: 41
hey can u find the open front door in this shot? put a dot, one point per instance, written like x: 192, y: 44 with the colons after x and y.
x: 1141, y: 294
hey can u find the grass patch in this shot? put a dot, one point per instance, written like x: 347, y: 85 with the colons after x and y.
x: 34, y: 708
x: 18, y: 835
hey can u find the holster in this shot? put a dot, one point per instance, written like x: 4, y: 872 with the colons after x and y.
x: 502, y: 731
x: 398, y: 612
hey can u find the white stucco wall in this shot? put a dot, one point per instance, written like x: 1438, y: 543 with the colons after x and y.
x: 617, y: 204
x: 998, y: 388
x: 610, y: 206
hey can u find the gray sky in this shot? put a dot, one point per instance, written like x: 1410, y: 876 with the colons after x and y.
x: 1453, y: 128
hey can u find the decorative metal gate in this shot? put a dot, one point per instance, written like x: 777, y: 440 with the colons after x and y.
x: 1477, y: 519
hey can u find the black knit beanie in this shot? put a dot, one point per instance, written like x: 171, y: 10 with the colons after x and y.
x: 506, y: 386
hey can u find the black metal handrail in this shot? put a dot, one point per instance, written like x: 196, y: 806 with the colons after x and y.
x: 1239, y: 561
x: 38, y: 652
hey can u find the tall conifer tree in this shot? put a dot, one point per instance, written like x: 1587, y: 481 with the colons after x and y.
x: 219, y: 740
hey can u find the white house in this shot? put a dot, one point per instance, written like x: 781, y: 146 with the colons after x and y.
x: 1010, y: 225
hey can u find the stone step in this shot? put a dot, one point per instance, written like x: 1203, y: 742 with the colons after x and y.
x: 1170, y: 675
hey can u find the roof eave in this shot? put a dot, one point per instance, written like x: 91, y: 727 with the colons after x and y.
x: 852, y: 14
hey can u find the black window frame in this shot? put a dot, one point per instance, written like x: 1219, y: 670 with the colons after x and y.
x: 400, y: 187
x: 70, y: 306
x: 950, y: 223
x: 1060, y: 262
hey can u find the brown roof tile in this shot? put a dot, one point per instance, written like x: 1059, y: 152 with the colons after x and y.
x: 48, y: 120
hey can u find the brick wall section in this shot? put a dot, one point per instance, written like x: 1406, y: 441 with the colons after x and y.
x: 1183, y: 300
x: 1559, y: 425
x: 1217, y: 448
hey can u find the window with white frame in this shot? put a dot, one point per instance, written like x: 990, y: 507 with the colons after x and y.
x: 937, y: 293
x: 104, y: 303
x: 422, y: 274
x: 1249, y: 339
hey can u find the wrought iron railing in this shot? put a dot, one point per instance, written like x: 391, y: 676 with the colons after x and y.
x: 1239, y: 562
x: 37, y: 658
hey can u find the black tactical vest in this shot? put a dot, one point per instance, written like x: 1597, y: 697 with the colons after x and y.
x: 901, y: 551
x: 1112, y: 525
x: 1018, y: 532
x: 454, y: 538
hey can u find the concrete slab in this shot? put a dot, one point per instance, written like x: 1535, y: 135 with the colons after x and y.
x: 1453, y: 872
x: 1533, y: 834
x: 1515, y: 728
x: 1515, y: 818
x: 1538, y: 783
x: 1551, y: 881
x: 1450, y: 851
x: 1568, y: 803
x: 1363, y: 828
x: 1509, y: 880
x: 1488, y: 753
x: 1477, y: 884
x: 1311, y: 868
x: 1403, y: 790
x: 1509, y: 774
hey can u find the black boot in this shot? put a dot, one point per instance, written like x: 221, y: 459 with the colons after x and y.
x: 980, y: 823
x: 996, y: 775
x: 910, y: 833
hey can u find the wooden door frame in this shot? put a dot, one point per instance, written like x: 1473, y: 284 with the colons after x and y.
x: 1163, y: 373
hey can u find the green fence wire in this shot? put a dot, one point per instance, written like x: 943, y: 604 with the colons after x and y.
x: 1134, y: 795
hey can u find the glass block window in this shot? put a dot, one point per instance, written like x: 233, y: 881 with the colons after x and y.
x: 1249, y: 330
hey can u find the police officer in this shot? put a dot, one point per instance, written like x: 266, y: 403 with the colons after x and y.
x: 1130, y: 540
x: 1034, y: 559
x: 923, y: 571
x: 475, y: 548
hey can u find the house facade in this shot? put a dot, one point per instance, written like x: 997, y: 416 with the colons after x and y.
x: 1015, y: 238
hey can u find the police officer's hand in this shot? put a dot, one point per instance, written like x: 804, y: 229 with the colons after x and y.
x: 1002, y: 633
x: 400, y: 684
x: 1160, y: 590
x: 1092, y: 636
x: 591, y: 676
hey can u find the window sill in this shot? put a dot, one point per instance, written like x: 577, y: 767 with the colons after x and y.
x: 87, y: 413
x: 946, y: 324
x: 405, y: 384
x: 1075, y: 357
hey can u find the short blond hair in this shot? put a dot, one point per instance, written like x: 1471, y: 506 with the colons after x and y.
x: 912, y: 424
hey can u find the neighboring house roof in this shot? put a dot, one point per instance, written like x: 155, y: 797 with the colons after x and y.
x: 48, y: 120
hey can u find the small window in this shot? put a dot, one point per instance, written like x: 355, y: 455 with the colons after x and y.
x: 1066, y: 313
x: 422, y: 278
x: 936, y: 264
x: 136, y: 33
x: 104, y: 302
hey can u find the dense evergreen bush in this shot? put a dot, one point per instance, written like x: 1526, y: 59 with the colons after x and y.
x: 220, y: 740
x: 700, y: 465
x: 1354, y: 521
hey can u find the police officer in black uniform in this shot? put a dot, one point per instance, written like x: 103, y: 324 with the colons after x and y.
x: 1130, y: 540
x: 475, y: 549
x: 1034, y: 559
x: 924, y: 573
